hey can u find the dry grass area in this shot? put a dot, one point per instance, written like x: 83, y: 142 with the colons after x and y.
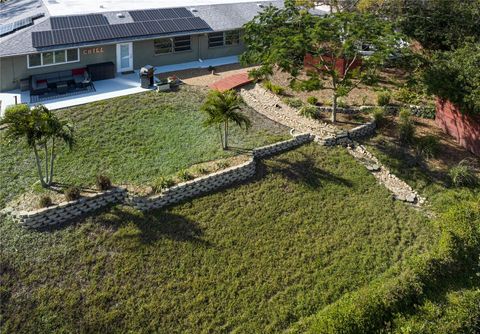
x: 203, y: 77
x: 390, y: 80
x: 345, y: 121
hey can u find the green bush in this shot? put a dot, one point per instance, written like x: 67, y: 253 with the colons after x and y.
x: 427, y: 112
x: 379, y: 116
x: 103, y: 182
x: 383, y: 98
x: 72, y: 193
x: 406, y: 127
x: 408, y: 96
x: 463, y: 174
x: 293, y: 102
x: 184, y: 175
x: 309, y: 111
x: 428, y: 146
x: 312, y: 100
x: 162, y: 183
x: 45, y: 201
x: 278, y: 90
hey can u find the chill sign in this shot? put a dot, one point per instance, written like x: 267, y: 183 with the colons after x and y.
x: 92, y: 51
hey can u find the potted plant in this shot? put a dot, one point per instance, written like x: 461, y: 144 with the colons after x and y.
x: 163, y: 85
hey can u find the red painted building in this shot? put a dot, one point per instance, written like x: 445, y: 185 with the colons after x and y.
x: 464, y: 128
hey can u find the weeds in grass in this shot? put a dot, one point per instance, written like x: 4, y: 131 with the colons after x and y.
x: 103, y: 182
x: 428, y: 146
x: 223, y: 164
x: 406, y: 127
x: 383, y: 98
x: 313, y: 100
x: 185, y: 175
x: 45, y: 201
x: 379, y: 116
x: 162, y: 183
x: 72, y: 193
x: 464, y: 174
x: 309, y: 111
x: 293, y: 102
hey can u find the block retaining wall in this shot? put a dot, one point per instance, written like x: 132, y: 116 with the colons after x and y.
x: 66, y: 211
x: 346, y: 137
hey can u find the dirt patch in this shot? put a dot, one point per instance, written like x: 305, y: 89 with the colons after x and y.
x: 203, y: 77
x: 390, y: 80
x: 346, y: 122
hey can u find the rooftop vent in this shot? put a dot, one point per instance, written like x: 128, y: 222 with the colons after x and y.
x: 260, y: 5
x: 120, y: 15
x: 193, y: 10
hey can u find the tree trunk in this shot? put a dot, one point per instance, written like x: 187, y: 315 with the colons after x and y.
x: 221, y: 135
x: 39, y: 166
x: 45, y: 147
x: 225, y: 134
x: 334, y: 108
x: 52, y: 159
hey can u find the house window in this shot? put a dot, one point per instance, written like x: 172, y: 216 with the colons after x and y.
x: 53, y: 58
x: 182, y: 43
x: 162, y: 46
x: 232, y: 37
x: 217, y: 39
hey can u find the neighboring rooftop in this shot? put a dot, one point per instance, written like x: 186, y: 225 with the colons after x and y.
x: 72, y: 7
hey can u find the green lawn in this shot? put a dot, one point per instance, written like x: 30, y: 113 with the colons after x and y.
x: 313, y: 225
x: 133, y: 139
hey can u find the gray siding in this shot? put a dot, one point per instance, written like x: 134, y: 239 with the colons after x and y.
x: 13, y: 69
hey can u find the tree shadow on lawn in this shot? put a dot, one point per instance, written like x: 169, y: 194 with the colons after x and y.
x: 302, y: 171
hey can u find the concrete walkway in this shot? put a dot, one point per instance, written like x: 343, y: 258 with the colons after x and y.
x: 121, y: 85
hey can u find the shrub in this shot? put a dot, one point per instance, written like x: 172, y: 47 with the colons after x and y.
x: 162, y: 183
x: 428, y: 146
x: 341, y: 103
x: 278, y: 90
x: 463, y: 174
x: 406, y: 128
x: 103, y: 182
x: 45, y: 201
x: 184, y: 175
x: 379, y: 116
x: 72, y: 193
x: 308, y: 111
x: 223, y: 164
x: 407, y: 96
x: 312, y: 100
x: 426, y: 112
x: 294, y: 103
x: 383, y: 98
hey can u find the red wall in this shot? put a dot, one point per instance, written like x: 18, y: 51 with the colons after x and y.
x: 464, y: 128
x: 340, y: 63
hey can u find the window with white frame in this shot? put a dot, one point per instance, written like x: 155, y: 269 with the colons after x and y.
x: 216, y: 39
x: 53, y: 58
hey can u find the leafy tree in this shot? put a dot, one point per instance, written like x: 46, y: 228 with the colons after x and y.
x: 455, y: 75
x: 283, y: 37
x: 40, y: 128
x: 222, y: 108
x: 440, y: 24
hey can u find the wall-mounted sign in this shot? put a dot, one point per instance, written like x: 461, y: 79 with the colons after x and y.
x: 92, y: 51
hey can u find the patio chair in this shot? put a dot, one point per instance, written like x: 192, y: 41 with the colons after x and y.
x: 82, y: 80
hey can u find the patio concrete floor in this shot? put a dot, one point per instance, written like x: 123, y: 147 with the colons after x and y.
x: 122, y: 84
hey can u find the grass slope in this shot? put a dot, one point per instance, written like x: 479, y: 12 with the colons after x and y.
x: 133, y: 139
x: 251, y: 259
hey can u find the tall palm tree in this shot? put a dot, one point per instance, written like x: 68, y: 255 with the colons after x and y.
x: 40, y: 128
x: 222, y: 108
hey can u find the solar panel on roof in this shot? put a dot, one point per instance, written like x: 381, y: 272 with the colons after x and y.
x: 182, y: 12
x: 59, y: 22
x: 42, y: 38
x: 63, y: 36
x: 169, y: 26
x: 198, y: 23
x: 14, y: 26
x: 96, y: 20
x: 169, y: 13
x: 102, y: 32
x: 6, y: 29
x: 138, y: 16
x: 81, y: 35
x: 184, y: 24
x: 119, y: 30
x: 78, y: 21
x: 136, y: 29
x: 153, y: 28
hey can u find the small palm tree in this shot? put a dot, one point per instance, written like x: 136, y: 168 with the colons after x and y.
x: 221, y: 108
x: 40, y: 128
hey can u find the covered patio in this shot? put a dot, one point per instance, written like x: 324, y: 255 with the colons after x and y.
x: 122, y: 84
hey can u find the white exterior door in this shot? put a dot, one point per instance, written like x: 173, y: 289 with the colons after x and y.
x: 124, y: 57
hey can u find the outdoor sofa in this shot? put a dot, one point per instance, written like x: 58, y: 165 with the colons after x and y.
x: 42, y: 83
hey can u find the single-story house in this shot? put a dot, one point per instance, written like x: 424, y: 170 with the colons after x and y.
x: 57, y: 41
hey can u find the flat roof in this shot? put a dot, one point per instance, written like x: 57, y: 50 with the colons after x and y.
x: 73, y: 7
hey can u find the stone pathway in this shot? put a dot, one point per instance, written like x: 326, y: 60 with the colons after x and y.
x: 271, y: 106
x: 401, y: 190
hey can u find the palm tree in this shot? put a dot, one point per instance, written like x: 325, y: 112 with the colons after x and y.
x: 40, y: 128
x: 221, y: 108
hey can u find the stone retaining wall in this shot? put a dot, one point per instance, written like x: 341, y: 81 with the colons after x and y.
x: 346, y: 137
x: 63, y: 212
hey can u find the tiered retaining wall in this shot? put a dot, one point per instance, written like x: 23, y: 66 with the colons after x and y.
x: 69, y: 210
